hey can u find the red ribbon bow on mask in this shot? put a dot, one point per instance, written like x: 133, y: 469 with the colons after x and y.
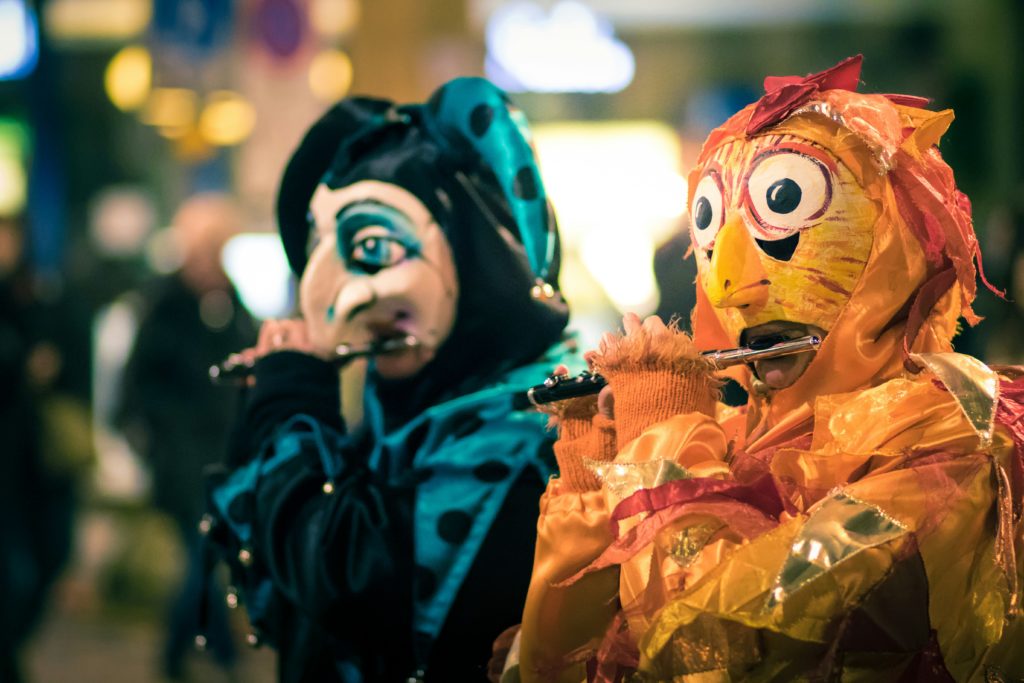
x: 785, y: 93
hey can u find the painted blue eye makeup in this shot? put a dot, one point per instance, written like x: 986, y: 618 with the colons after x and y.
x: 372, y: 253
x: 373, y: 236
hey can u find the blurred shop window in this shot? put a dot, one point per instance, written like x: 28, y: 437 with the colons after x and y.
x: 618, y: 192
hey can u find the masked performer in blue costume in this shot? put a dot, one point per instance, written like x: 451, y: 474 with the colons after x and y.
x: 400, y: 548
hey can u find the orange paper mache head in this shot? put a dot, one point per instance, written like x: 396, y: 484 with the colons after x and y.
x: 821, y: 210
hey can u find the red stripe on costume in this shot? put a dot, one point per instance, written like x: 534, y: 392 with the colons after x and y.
x: 761, y: 494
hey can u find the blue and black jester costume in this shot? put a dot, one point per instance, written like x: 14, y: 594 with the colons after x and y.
x: 401, y: 549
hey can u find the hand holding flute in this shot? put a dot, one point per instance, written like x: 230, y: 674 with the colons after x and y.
x: 560, y: 386
x: 293, y: 335
x: 275, y: 335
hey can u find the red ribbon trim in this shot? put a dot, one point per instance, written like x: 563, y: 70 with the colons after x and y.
x: 924, y: 302
x: 762, y: 494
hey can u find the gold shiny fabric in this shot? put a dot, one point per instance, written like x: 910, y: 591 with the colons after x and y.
x: 563, y: 625
x: 972, y: 383
x: 836, y: 529
x: 619, y: 480
x: 799, y: 578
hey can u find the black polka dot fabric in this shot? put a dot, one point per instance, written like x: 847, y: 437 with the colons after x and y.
x: 453, y: 526
x: 525, y: 185
x: 467, y: 426
x: 480, y: 119
x: 475, y: 111
x: 491, y: 471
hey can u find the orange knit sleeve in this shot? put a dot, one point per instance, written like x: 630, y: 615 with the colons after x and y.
x: 583, y: 434
x: 654, y: 378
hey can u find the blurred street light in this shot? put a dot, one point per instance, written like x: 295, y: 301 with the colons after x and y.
x: 566, y: 49
x: 334, y: 18
x: 330, y: 75
x: 14, y: 147
x: 259, y: 271
x: 618, y: 192
x: 128, y: 77
x: 106, y: 21
x: 171, y: 110
x: 227, y: 119
x: 19, y: 40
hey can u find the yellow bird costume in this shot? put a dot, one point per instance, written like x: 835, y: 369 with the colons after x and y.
x: 860, y: 518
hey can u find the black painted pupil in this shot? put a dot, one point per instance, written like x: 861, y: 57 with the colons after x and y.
x: 702, y: 213
x: 783, y: 195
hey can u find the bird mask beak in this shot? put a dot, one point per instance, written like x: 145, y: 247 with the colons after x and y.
x: 736, y: 278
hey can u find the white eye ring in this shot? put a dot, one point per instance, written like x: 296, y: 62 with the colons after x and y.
x: 788, y: 191
x: 707, y: 213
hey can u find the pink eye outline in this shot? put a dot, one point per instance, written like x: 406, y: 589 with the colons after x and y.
x: 825, y: 169
x: 704, y: 237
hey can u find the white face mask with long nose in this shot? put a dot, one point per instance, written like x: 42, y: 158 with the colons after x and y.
x: 381, y: 269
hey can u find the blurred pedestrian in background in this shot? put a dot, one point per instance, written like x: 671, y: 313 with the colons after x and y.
x: 173, y: 417
x: 36, y: 471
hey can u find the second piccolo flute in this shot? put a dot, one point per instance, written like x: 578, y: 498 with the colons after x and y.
x: 563, y: 387
x: 236, y: 370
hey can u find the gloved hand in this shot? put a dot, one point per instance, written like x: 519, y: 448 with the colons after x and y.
x: 654, y: 372
x: 583, y: 434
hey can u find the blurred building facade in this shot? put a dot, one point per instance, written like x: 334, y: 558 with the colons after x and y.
x: 197, y: 95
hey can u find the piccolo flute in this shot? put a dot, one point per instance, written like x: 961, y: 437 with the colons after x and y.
x: 563, y: 387
x: 236, y: 370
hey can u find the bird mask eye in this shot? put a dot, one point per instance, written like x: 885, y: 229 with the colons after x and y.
x: 787, y: 191
x: 708, y: 212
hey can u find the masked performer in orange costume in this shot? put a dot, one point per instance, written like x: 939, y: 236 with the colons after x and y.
x: 860, y: 518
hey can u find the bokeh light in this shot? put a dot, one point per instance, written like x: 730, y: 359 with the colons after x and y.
x: 14, y: 143
x: 75, y: 21
x: 128, y: 77
x: 334, y: 18
x: 330, y: 75
x: 121, y: 217
x: 19, y: 39
x: 171, y: 110
x: 227, y: 119
x: 566, y: 49
x: 259, y: 270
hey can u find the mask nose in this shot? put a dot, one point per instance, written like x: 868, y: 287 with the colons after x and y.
x: 736, y: 278
x: 355, y: 297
